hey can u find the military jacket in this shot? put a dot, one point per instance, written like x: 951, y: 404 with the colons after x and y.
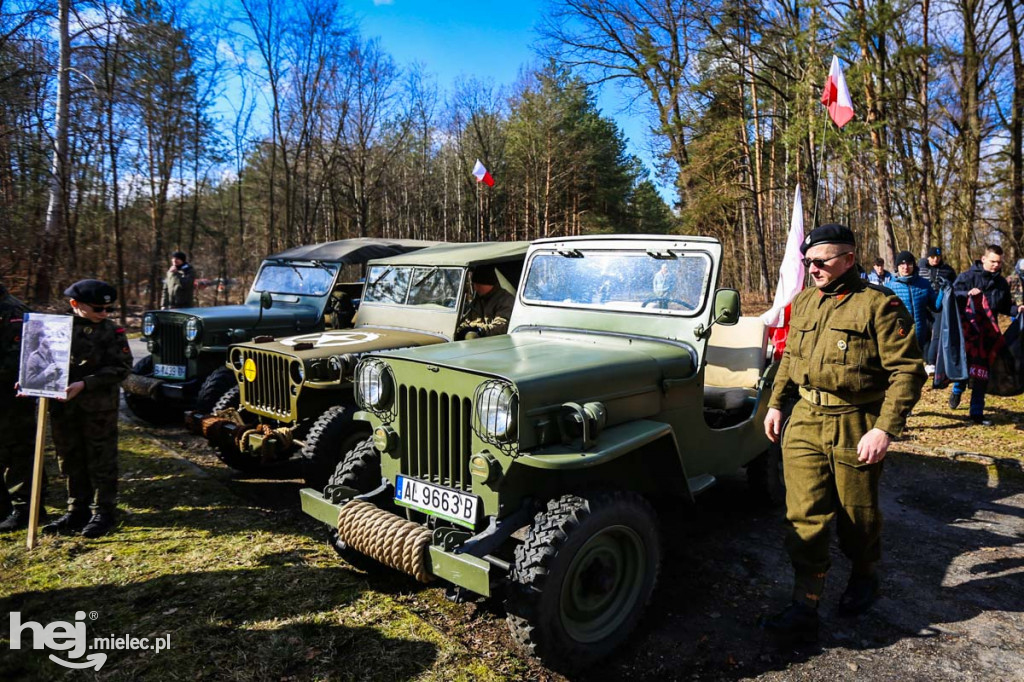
x: 489, y: 313
x: 12, y: 312
x: 101, y: 358
x: 178, y: 287
x: 856, y: 342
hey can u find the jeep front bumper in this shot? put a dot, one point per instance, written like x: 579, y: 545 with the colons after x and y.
x: 458, y: 568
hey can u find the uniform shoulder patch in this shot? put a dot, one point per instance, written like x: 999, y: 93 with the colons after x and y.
x: 119, y: 330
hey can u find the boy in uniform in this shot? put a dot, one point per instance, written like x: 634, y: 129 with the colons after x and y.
x: 85, y: 423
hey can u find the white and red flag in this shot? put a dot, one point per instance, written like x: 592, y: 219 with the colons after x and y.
x: 836, y: 96
x: 791, y: 281
x: 482, y: 174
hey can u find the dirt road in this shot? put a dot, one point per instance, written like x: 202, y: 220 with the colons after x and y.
x: 953, y: 583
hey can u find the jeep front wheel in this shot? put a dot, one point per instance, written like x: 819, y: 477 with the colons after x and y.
x: 214, y: 388
x: 145, y: 408
x: 582, y: 578
x: 333, y: 434
x: 359, y: 468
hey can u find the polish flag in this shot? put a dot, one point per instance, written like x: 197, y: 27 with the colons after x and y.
x: 482, y: 174
x: 836, y: 95
x: 791, y: 281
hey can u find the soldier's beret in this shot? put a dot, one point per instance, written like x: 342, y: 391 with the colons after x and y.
x: 832, y: 233
x: 92, y: 292
x: 484, y: 274
x: 934, y: 251
x: 905, y: 257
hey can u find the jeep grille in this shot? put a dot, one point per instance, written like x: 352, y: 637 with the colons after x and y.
x: 171, y: 338
x: 436, y: 436
x: 270, y: 393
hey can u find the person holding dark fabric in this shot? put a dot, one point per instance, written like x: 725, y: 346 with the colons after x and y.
x: 85, y: 423
x: 179, y: 283
x: 853, y: 361
x: 982, y: 295
x: 489, y: 312
x: 17, y: 421
x: 916, y: 294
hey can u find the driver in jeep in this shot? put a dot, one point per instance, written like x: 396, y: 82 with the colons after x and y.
x: 490, y: 309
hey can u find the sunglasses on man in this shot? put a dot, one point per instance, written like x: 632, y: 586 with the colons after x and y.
x: 100, y: 308
x: 820, y: 262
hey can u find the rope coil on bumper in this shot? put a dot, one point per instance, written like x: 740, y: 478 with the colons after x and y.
x: 385, y: 537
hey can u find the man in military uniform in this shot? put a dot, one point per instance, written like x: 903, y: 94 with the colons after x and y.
x: 179, y: 283
x: 854, y: 362
x: 85, y: 424
x: 17, y: 421
x: 491, y: 308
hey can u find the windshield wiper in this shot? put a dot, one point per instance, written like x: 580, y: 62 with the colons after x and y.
x: 301, y: 278
x: 570, y: 253
x: 422, y: 279
x: 381, y: 276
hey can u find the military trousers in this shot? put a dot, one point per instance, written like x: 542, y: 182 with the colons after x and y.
x: 824, y: 480
x: 86, y: 444
x: 17, y: 449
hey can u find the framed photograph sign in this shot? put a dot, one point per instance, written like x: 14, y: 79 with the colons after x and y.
x: 45, y: 355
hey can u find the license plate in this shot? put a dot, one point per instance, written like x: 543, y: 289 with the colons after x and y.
x: 169, y: 371
x: 445, y: 503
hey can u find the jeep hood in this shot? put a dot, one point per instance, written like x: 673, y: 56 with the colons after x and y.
x: 563, y: 367
x: 341, y: 341
x: 228, y: 316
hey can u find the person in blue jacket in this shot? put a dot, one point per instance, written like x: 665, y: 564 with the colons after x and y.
x: 916, y: 293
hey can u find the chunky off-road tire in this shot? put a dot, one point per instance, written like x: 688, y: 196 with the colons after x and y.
x: 146, y: 409
x: 230, y: 400
x: 213, y: 389
x: 582, y: 578
x: 764, y: 476
x: 332, y: 435
x: 359, y: 468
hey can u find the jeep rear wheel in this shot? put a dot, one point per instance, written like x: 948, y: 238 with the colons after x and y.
x: 147, y: 409
x: 332, y: 436
x: 213, y: 389
x: 583, y: 577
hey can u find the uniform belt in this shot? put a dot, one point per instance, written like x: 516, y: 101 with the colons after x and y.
x: 826, y: 399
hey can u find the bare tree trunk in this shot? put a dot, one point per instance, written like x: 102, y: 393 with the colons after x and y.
x: 1016, y: 132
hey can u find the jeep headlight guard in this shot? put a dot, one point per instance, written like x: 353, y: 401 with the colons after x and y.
x: 496, y: 410
x: 374, y: 384
x: 192, y: 329
x: 148, y: 324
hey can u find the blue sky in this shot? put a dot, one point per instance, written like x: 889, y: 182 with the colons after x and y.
x: 489, y: 40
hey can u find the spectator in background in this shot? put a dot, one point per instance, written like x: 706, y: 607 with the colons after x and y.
x: 982, y: 294
x: 1016, y: 282
x: 178, y: 283
x: 878, y: 274
x: 916, y: 294
x: 934, y: 270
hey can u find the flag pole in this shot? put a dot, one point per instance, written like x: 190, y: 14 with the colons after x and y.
x: 479, y: 226
x: 821, y: 168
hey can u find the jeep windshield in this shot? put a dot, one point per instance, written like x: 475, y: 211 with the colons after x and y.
x: 296, y: 279
x: 670, y: 283
x: 435, y: 287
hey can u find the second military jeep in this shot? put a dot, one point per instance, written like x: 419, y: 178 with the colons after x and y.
x: 295, y: 393
x: 528, y: 465
x: 303, y: 289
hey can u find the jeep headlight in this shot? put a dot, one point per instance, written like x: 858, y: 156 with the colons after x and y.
x: 237, y: 359
x: 297, y: 371
x: 374, y: 384
x: 497, y: 408
x: 192, y: 329
x: 148, y: 324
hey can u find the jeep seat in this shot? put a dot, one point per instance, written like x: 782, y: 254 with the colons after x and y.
x: 736, y: 358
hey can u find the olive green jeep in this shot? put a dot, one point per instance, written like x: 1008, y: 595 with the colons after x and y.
x: 295, y: 394
x: 527, y: 466
x: 303, y: 289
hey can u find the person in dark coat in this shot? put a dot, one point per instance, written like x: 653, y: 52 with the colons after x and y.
x: 982, y: 295
x: 916, y: 294
x: 84, y: 424
x: 17, y: 421
x: 878, y: 274
x: 179, y: 283
x: 933, y: 269
x: 491, y: 308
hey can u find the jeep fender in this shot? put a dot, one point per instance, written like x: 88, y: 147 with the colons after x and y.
x: 643, y: 453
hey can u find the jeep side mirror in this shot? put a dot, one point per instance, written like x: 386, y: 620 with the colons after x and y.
x: 727, y: 307
x: 266, y: 300
x: 726, y: 310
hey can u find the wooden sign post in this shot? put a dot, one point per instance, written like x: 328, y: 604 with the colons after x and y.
x: 37, y: 474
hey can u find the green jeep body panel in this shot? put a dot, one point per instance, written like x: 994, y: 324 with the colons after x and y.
x: 180, y: 365
x: 328, y: 358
